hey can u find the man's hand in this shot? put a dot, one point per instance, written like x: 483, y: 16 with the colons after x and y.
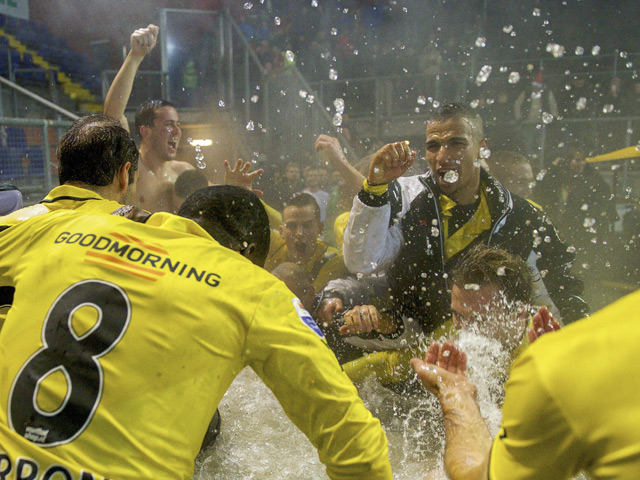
x: 390, y: 162
x: 443, y: 368
x: 330, y: 147
x: 364, y: 319
x: 143, y: 40
x: 240, y: 176
x: 327, y: 309
x: 543, y: 322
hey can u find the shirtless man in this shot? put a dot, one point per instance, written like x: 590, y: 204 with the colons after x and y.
x: 158, y: 127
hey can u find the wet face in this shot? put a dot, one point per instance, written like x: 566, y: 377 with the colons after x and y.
x: 482, y: 309
x: 163, y: 138
x: 300, y: 230
x: 454, y: 146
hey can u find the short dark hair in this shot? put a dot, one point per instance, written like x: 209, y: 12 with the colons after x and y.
x: 146, y: 113
x: 188, y: 182
x: 460, y: 110
x: 94, y: 149
x: 505, y: 158
x: 484, y: 265
x: 233, y: 216
x: 303, y: 199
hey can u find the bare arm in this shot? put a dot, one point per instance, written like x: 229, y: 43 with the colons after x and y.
x: 468, y: 442
x: 142, y: 42
x: 329, y: 148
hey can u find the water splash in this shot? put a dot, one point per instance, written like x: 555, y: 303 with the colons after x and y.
x: 451, y: 176
x: 514, y: 77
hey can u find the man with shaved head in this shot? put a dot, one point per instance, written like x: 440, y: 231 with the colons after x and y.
x: 417, y: 228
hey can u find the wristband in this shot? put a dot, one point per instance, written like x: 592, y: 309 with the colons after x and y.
x: 375, y: 189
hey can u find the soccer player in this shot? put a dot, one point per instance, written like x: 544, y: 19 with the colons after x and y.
x: 114, y: 366
x: 570, y: 405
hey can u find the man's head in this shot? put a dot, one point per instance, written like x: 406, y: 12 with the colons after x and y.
x: 578, y: 161
x: 187, y: 182
x: 314, y: 177
x: 455, y: 137
x: 97, y: 152
x: 513, y: 170
x: 234, y: 217
x: 298, y: 280
x: 491, y: 294
x: 158, y: 125
x: 292, y: 173
x: 301, y: 227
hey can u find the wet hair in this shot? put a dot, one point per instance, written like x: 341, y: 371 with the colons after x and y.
x: 459, y: 110
x: 509, y: 273
x: 188, y: 182
x: 233, y: 216
x: 303, y: 199
x: 94, y: 149
x: 146, y: 113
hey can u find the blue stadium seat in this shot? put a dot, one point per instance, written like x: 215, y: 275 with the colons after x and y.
x: 16, y: 137
x: 36, y: 161
x: 10, y: 163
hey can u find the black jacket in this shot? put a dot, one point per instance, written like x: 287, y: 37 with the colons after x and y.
x: 419, y: 276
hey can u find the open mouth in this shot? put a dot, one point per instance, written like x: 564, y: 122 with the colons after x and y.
x: 448, y: 176
x: 173, y: 144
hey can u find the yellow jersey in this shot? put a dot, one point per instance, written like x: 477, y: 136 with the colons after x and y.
x: 571, y: 402
x: 123, y: 337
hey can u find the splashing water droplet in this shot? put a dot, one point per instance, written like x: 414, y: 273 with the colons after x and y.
x: 481, y: 42
x: 314, y: 3
x: 608, y: 108
x: 501, y: 271
x: 483, y: 74
x: 422, y: 100
x: 435, y: 104
x: 302, y: 93
x: 474, y: 103
x: 589, y: 222
x: 507, y: 28
x: 200, y: 161
x: 536, y: 12
x: 555, y: 49
x: 338, y: 103
x: 581, y: 104
x: 547, y: 117
x: 248, y: 5
x: 290, y: 56
x: 334, y: 31
x: 451, y: 176
x: 579, y: 50
x: 571, y: 249
x: 485, y: 152
x: 221, y: 103
x: 310, y: 99
x: 254, y: 98
x: 337, y: 119
x: 514, y: 77
x: 333, y: 74
x: 595, y: 50
x: 250, y: 126
x: 472, y: 286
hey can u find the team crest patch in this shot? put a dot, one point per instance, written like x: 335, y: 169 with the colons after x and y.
x: 306, y: 317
